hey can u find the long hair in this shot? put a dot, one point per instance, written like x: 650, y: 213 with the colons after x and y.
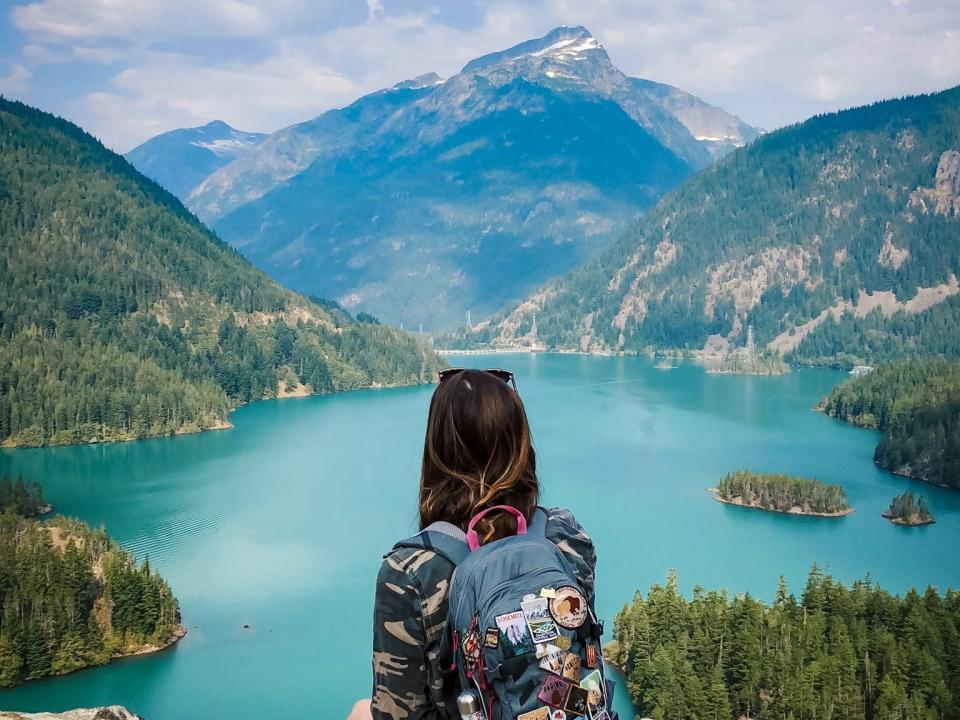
x: 477, y: 453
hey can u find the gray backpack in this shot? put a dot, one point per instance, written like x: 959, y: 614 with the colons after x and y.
x: 524, y: 636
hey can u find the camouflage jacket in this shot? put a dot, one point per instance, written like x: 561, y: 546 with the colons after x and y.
x: 412, y: 675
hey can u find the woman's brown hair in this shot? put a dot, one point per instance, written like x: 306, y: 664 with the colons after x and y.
x: 477, y: 453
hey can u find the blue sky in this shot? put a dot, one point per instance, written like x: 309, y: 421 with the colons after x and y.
x: 128, y: 69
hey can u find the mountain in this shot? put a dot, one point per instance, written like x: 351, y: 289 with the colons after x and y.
x: 438, y: 196
x: 837, y: 240
x: 122, y: 316
x: 180, y: 159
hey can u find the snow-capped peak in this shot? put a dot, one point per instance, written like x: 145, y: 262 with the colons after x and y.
x: 420, y: 81
x: 562, y: 43
x: 569, y: 49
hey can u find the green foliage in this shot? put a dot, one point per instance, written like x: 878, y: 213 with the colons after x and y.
x: 800, y: 215
x: 838, y: 652
x: 776, y: 491
x: 916, y: 403
x: 21, y: 497
x: 70, y: 599
x: 909, y: 509
x: 121, y: 316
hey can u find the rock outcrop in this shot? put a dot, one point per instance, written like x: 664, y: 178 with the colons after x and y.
x: 944, y: 197
x: 114, y: 712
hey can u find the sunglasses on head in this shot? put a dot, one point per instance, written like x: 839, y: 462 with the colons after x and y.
x: 504, y: 375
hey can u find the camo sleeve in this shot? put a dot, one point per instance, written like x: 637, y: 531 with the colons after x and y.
x: 568, y: 535
x: 408, y: 626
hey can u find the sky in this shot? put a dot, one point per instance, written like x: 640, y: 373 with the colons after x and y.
x: 126, y: 70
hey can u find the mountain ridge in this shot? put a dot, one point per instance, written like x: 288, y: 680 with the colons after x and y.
x: 180, y: 159
x: 122, y: 316
x: 398, y: 203
x: 848, y: 215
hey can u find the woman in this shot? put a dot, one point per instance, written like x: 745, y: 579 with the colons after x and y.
x: 478, y: 453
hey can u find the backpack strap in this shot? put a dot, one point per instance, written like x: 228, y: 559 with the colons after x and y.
x: 443, y: 538
x: 538, y: 522
x: 449, y: 541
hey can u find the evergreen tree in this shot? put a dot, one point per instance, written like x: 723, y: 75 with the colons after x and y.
x: 851, y: 653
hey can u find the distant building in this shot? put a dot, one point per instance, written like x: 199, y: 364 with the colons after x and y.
x: 861, y: 370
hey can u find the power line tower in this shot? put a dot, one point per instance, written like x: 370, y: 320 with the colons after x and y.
x: 533, y: 331
x: 469, y: 324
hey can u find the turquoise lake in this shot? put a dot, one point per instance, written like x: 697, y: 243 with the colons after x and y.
x: 280, y: 523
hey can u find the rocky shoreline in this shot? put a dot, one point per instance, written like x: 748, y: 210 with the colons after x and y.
x: 795, y: 510
x: 113, y: 712
x: 913, y: 521
x: 178, y: 634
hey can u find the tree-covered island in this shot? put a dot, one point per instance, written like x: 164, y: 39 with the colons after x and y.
x: 70, y: 598
x: 909, y: 509
x: 916, y: 405
x: 777, y: 492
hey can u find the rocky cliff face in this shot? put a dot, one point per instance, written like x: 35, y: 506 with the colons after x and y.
x: 944, y: 197
x: 114, y: 712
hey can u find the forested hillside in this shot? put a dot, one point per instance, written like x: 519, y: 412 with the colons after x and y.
x: 836, y: 652
x: 916, y: 404
x: 71, y: 598
x: 122, y: 316
x: 836, y: 239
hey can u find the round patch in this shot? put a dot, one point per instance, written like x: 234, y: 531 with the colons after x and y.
x: 569, y: 608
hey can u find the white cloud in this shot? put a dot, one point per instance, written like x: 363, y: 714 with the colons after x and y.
x: 84, y: 19
x: 161, y: 93
x: 770, y: 62
x: 15, y: 81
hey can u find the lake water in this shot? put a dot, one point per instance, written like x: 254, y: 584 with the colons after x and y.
x: 280, y: 523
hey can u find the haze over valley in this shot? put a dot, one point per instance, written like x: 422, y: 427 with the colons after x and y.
x: 410, y: 202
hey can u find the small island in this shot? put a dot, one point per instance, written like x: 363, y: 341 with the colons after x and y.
x: 777, y: 492
x: 908, y: 509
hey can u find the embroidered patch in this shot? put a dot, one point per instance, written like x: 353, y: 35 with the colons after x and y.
x: 593, y: 684
x: 514, y: 634
x: 541, y: 713
x: 492, y: 638
x: 569, y: 608
x: 558, y: 714
x: 591, y: 656
x: 571, y: 667
x: 576, y: 701
x: 554, y: 691
x: 552, y: 661
x: 536, y: 612
x: 471, y: 648
x: 563, y: 642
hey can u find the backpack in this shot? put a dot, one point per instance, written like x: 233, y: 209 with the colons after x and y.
x: 524, y: 636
